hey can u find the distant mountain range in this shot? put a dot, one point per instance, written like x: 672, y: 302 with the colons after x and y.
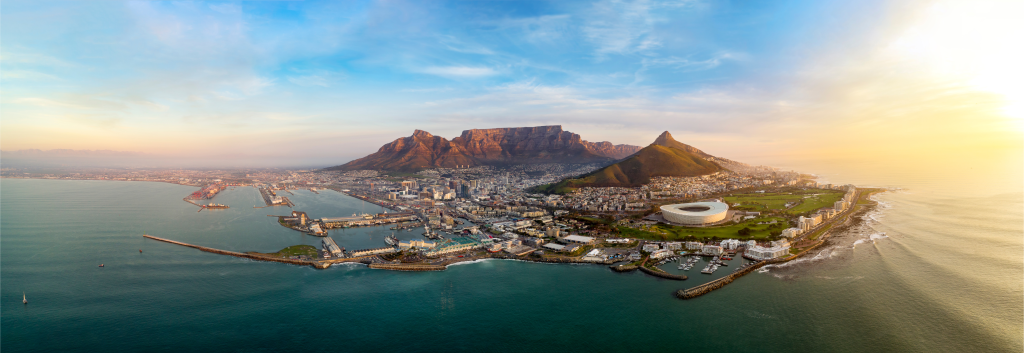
x: 664, y: 157
x: 497, y: 147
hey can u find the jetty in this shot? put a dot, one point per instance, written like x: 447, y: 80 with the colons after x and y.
x: 320, y: 264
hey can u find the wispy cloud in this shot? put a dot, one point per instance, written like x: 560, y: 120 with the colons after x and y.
x: 459, y: 71
x: 456, y: 45
x: 616, y: 26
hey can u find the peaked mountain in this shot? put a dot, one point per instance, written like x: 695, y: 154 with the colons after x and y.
x: 503, y: 146
x: 664, y: 157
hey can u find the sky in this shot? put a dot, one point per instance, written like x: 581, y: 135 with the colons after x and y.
x: 311, y: 83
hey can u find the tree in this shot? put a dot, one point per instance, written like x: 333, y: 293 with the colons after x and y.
x: 744, y: 232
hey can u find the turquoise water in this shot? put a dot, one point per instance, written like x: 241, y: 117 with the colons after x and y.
x: 927, y: 273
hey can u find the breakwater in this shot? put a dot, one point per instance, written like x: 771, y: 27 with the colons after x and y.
x: 624, y: 268
x: 408, y: 267
x: 718, y: 283
x: 316, y: 264
x: 662, y: 274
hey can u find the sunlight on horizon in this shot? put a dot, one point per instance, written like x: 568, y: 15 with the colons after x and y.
x: 974, y: 41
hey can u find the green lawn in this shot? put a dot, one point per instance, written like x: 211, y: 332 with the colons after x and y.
x: 671, y: 232
x: 815, y: 201
x: 812, y: 199
x: 296, y: 250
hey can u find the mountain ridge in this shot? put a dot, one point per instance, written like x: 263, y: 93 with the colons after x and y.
x: 664, y: 157
x: 497, y: 146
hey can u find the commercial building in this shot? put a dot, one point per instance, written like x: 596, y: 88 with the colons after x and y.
x: 730, y: 244
x: 695, y: 213
x: 419, y: 244
x: 661, y: 254
x: 758, y: 252
x: 712, y: 250
x: 377, y: 251
x: 453, y: 245
x: 331, y: 247
x: 578, y: 239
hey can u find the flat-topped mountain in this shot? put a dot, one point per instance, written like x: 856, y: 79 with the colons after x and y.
x: 664, y: 157
x: 502, y: 146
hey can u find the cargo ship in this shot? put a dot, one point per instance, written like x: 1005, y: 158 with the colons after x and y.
x: 215, y: 206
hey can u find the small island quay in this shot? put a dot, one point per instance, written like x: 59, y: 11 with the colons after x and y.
x: 668, y: 210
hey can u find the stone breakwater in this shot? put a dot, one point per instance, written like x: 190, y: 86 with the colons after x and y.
x: 718, y: 283
x: 624, y: 268
x: 317, y: 264
x: 662, y: 274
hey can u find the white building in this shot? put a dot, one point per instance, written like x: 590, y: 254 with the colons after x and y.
x: 578, y: 239
x: 651, y: 247
x: 695, y: 213
x: 712, y: 249
x: 731, y: 244
x: 765, y: 253
x: 674, y: 246
x: 790, y: 232
x: 693, y: 245
x: 661, y: 254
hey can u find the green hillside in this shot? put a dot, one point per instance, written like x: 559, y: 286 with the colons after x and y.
x: 652, y: 161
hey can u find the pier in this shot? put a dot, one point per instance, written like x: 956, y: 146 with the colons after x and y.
x: 316, y: 264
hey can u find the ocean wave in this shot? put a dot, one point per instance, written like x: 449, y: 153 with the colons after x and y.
x: 470, y: 262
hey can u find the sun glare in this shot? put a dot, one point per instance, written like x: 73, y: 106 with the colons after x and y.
x: 976, y: 41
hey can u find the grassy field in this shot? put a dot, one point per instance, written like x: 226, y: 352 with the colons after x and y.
x: 811, y: 200
x: 671, y: 232
x: 296, y: 250
x: 815, y: 201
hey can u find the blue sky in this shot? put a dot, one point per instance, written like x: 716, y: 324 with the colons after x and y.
x: 307, y: 82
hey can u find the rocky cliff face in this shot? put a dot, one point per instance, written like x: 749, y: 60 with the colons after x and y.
x: 614, y: 151
x: 523, y: 145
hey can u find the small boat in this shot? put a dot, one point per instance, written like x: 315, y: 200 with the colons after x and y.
x: 101, y: 265
x: 140, y: 250
x: 23, y: 300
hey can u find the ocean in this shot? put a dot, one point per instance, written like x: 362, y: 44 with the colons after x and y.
x: 925, y: 272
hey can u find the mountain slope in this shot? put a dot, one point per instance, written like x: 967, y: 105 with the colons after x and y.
x: 664, y: 157
x: 503, y: 146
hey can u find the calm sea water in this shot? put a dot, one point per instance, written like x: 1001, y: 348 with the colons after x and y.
x: 925, y: 273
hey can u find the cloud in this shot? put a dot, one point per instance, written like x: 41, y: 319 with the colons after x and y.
x: 48, y: 103
x: 546, y: 29
x: 459, y: 71
x: 26, y: 75
x: 619, y: 27
x: 456, y: 45
x: 309, y: 80
x: 427, y: 90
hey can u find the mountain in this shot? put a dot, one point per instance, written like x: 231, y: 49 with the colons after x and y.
x: 503, y: 146
x: 664, y: 157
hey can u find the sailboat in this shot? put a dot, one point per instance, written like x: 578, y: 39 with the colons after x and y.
x: 23, y: 300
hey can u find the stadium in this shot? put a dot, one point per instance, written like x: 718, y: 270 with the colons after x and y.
x: 696, y: 213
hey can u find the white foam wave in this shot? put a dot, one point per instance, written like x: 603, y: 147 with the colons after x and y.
x: 469, y: 262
